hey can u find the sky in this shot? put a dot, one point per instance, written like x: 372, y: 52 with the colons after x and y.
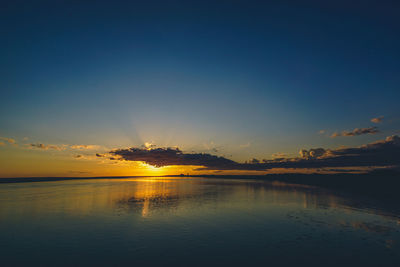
x: 239, y: 80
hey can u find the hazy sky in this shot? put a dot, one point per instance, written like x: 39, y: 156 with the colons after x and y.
x: 239, y: 79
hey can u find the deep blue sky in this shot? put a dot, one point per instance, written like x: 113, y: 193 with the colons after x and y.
x: 250, y: 78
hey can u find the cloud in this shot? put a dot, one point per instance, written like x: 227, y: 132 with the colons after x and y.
x: 149, y: 145
x: 312, y: 153
x: 63, y: 146
x: 84, y: 157
x: 211, y: 147
x: 383, y: 153
x: 160, y: 157
x: 357, y: 131
x: 278, y: 155
x: 9, y: 140
x: 81, y: 147
x: 254, y: 161
x: 2, y: 143
x: 322, y: 132
x: 377, y: 119
x: 47, y: 147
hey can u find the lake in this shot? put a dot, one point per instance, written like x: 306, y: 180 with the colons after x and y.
x: 192, y: 222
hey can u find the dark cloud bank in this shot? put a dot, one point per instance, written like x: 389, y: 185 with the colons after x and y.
x: 384, y: 153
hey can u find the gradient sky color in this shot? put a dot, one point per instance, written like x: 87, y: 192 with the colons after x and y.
x: 239, y: 79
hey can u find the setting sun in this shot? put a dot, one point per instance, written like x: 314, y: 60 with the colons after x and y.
x: 152, y: 170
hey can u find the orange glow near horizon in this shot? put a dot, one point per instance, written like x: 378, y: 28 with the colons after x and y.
x: 152, y: 170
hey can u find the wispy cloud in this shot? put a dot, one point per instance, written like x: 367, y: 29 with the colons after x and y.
x: 84, y: 147
x: 356, y: 132
x: 90, y: 157
x: 278, y: 155
x: 9, y: 140
x: 64, y: 146
x: 377, y: 119
x: 47, y: 147
x: 211, y: 147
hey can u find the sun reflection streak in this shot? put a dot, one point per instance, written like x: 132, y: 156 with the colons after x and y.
x: 153, y: 192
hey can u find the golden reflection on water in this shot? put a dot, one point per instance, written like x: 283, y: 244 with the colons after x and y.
x: 147, y: 196
x: 151, y: 190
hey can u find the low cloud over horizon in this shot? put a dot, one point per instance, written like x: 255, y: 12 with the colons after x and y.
x: 383, y: 153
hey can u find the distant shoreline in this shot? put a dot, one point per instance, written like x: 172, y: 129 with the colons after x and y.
x: 53, y: 179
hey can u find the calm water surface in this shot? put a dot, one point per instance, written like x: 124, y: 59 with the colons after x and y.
x: 191, y: 222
